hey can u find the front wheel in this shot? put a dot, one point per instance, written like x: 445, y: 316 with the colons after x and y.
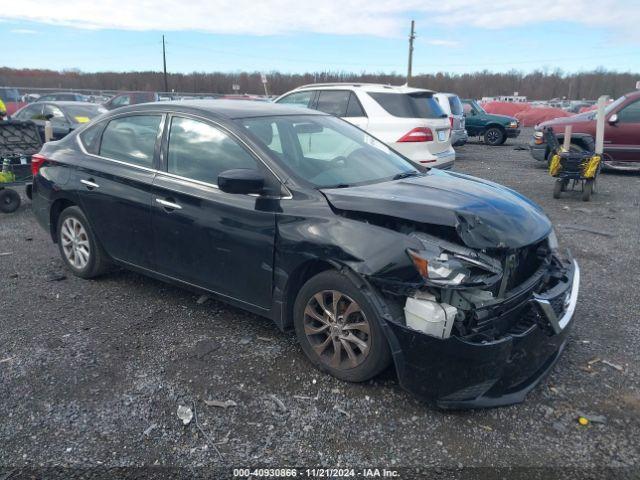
x: 494, y: 136
x: 337, y: 328
x: 78, y: 246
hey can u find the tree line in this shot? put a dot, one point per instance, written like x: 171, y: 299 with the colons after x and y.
x: 539, y: 84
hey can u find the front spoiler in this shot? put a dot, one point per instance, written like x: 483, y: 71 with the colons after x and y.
x: 458, y: 374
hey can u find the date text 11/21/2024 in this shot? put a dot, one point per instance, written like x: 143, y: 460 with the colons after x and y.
x: 316, y: 472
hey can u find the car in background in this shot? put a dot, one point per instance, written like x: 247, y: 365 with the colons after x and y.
x: 130, y: 98
x: 495, y: 129
x: 300, y: 217
x: 452, y: 106
x: 409, y: 120
x: 11, y: 99
x: 621, y: 133
x: 64, y: 116
x: 62, y: 97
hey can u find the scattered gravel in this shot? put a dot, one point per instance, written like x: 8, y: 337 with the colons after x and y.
x: 93, y: 372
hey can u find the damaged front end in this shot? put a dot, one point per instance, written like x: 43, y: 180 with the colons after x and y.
x: 485, y: 325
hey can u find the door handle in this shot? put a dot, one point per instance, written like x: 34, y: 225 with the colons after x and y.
x: 168, y: 205
x: 90, y: 183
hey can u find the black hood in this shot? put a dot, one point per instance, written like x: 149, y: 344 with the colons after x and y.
x: 485, y: 214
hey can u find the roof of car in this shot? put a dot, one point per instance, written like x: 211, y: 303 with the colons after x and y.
x: 68, y: 103
x: 224, y: 108
x: 368, y: 87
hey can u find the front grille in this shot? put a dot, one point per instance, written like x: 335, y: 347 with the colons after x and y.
x: 524, y: 263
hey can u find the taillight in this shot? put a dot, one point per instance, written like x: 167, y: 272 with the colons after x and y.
x: 451, y: 122
x: 37, y: 161
x: 418, y: 134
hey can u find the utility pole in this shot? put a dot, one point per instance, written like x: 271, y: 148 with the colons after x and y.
x: 164, y: 65
x: 412, y: 37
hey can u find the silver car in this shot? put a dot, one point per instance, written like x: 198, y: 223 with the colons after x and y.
x: 452, y: 106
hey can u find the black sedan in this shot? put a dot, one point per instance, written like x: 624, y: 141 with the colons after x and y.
x: 64, y: 116
x: 305, y: 219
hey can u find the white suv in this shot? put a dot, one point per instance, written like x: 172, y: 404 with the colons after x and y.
x: 407, y: 119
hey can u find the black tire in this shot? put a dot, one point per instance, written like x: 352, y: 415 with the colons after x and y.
x: 504, y: 139
x: 9, y: 200
x: 494, y: 136
x: 97, y: 263
x: 558, y: 188
x: 587, y: 190
x: 378, y: 354
x: 28, y: 190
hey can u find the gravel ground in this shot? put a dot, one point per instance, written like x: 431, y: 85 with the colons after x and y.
x: 92, y: 372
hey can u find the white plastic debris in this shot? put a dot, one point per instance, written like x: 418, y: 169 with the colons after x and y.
x: 185, y: 414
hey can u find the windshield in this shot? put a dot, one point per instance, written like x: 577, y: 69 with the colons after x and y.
x: 328, y: 152
x: 84, y: 113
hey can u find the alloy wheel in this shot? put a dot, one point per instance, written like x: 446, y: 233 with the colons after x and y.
x: 493, y: 136
x: 75, y: 243
x: 337, y: 329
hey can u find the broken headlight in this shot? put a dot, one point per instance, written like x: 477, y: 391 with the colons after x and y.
x: 553, y: 241
x: 450, y: 269
x: 443, y: 263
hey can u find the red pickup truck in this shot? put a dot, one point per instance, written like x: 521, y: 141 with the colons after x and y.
x: 621, y: 134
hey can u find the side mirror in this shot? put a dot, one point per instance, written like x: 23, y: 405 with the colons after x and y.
x: 241, y: 180
x: 472, y: 113
x: 48, y: 116
x: 613, y: 119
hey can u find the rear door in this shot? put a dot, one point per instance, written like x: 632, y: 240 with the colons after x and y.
x: 114, y: 184
x: 215, y: 240
x: 622, y: 138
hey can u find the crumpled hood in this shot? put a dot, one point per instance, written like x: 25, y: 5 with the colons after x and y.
x: 485, y: 214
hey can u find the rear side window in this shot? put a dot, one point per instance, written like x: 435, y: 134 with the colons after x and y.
x: 333, y: 102
x: 31, y: 112
x: 131, y: 139
x: 456, y: 105
x: 299, y: 99
x: 90, y: 138
x: 201, y: 151
x: 354, y: 109
x: 414, y: 105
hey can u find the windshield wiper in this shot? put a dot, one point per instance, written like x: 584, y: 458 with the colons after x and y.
x: 412, y: 173
x: 339, y: 185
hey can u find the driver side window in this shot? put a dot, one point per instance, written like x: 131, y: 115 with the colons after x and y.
x: 630, y: 113
x: 57, y: 115
x: 200, y: 151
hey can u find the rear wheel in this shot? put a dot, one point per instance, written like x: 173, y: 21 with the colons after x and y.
x: 337, y: 328
x: 9, y: 200
x: 494, y: 136
x: 78, y: 246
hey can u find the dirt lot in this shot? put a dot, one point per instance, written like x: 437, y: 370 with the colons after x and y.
x: 92, y: 372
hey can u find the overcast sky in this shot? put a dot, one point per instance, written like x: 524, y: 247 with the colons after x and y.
x: 298, y: 35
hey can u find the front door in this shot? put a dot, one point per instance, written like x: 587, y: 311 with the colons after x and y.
x: 114, y: 187
x: 622, y: 138
x: 211, y: 239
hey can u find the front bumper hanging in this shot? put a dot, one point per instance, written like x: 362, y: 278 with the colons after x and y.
x: 457, y: 373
